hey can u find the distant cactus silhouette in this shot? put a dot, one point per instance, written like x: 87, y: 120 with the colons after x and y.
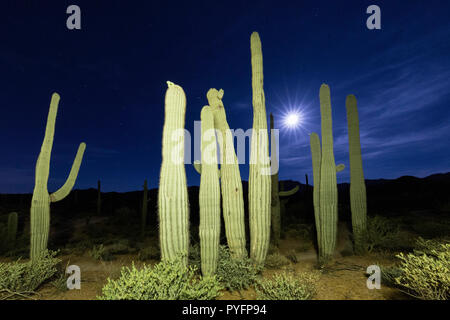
x: 173, y: 201
x: 40, y: 203
x: 276, y: 194
x: 12, y: 229
x: 358, y: 201
x: 209, y: 196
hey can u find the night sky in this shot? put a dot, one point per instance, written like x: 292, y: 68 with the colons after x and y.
x: 112, y: 75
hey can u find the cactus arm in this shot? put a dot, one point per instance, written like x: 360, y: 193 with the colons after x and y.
x: 62, y: 192
x: 288, y: 193
x: 198, y: 166
x: 340, y: 167
x: 259, y: 177
x: 316, y: 155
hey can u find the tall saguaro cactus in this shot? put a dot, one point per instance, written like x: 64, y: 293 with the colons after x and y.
x: 40, y: 203
x: 209, y: 196
x: 259, y: 178
x: 232, y: 195
x: 327, y: 184
x: 276, y: 194
x: 358, y: 201
x: 316, y: 155
x: 173, y: 201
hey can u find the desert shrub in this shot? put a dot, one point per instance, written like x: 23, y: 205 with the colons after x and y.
x: 292, y: 256
x: 389, y: 274
x: 101, y: 253
x: 119, y: 247
x: 25, y: 277
x: 275, y: 261
x: 384, y: 233
x: 234, y: 274
x: 425, y: 273
x: 164, y: 281
x: 149, y: 253
x: 432, y: 228
x: 287, y: 287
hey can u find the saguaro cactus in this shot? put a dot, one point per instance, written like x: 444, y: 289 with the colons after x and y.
x: 40, y: 203
x: 12, y: 229
x: 209, y: 196
x: 326, y: 211
x: 259, y: 178
x: 173, y: 201
x: 232, y: 195
x: 358, y: 202
x: 144, y: 208
x: 276, y: 194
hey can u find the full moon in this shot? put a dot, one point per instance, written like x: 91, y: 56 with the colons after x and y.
x: 292, y: 120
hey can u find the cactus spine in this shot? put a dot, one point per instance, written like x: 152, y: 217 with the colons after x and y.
x: 259, y: 178
x: 209, y: 196
x: 232, y: 195
x: 173, y: 201
x: 144, y: 208
x: 40, y: 204
x: 358, y: 202
x: 275, y: 202
x: 12, y: 229
x: 328, y: 185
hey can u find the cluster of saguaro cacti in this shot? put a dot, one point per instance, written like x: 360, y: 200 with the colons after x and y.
x: 11, y: 234
x: 209, y: 196
x: 325, y: 195
x: 358, y: 202
x: 259, y: 178
x: 173, y: 201
x: 231, y: 184
x: 40, y: 204
x: 276, y: 193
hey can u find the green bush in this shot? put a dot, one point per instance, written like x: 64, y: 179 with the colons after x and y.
x: 164, y: 281
x: 425, y: 273
x: 384, y: 233
x: 275, y: 261
x: 287, y: 287
x: 101, y: 253
x: 25, y: 277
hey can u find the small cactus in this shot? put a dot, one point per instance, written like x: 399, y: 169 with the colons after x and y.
x: 40, y: 203
x: 276, y: 194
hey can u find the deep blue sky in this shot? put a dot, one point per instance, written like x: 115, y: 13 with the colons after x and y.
x: 112, y: 74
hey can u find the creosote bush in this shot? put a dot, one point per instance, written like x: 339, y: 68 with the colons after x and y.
x: 425, y: 273
x: 167, y: 280
x: 25, y: 277
x: 275, y: 261
x: 288, y: 287
x: 233, y: 273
